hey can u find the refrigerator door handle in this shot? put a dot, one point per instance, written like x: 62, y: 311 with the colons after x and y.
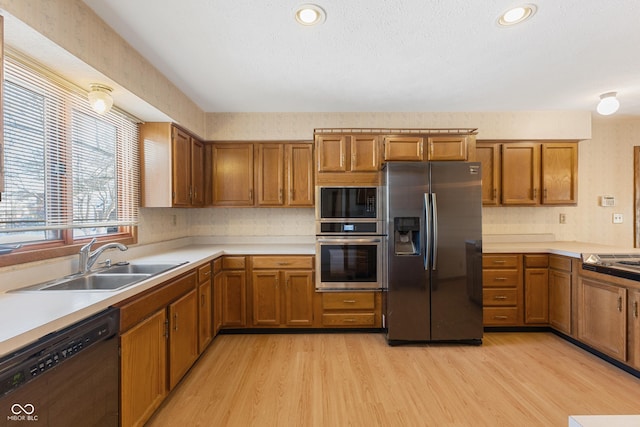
x: 425, y: 232
x: 434, y: 230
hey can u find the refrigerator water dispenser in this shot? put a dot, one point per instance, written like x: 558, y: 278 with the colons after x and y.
x: 406, y: 235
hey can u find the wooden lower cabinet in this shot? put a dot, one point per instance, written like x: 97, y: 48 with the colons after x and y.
x: 282, y: 291
x: 183, y: 336
x: 602, y: 317
x: 560, y: 293
x: 502, y: 282
x: 351, y: 309
x: 633, y: 323
x: 536, y: 289
x: 143, y: 370
x: 205, y: 307
x: 233, y: 283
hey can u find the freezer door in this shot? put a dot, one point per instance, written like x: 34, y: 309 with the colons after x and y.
x: 456, y: 277
x: 408, y: 306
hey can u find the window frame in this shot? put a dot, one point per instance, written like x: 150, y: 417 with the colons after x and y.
x: 66, y: 245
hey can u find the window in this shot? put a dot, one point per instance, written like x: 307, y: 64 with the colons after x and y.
x: 70, y: 174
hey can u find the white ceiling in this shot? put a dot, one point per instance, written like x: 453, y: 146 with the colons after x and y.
x: 387, y: 55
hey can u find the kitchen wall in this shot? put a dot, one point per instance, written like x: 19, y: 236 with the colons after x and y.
x: 605, y: 163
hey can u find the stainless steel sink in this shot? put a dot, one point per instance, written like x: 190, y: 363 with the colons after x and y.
x: 138, y: 269
x: 96, y: 282
x: 112, y: 278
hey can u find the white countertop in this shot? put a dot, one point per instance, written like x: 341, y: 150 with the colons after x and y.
x: 28, y: 316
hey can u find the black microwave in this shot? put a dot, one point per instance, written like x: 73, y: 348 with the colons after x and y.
x: 348, y: 203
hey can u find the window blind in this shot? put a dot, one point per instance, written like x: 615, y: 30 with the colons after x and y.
x: 66, y: 167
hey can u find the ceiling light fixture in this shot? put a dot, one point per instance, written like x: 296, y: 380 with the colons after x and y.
x: 100, y: 98
x: 517, y: 15
x: 310, y: 14
x: 608, y: 104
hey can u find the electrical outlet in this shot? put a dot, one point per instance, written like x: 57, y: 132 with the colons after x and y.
x: 617, y: 218
x: 563, y: 218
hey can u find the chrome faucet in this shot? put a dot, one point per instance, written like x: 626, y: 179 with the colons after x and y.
x: 88, y: 258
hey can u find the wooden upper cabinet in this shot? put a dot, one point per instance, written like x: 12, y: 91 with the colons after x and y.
x: 299, y: 174
x: 364, y: 154
x: 403, y: 148
x: 197, y: 173
x: 559, y: 173
x: 172, y: 164
x: 232, y: 174
x: 447, y: 147
x: 520, y: 173
x: 332, y: 153
x: 488, y: 154
x: 347, y: 153
x: 270, y: 174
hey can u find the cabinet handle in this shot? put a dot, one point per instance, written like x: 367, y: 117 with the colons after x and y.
x: 535, y: 193
x: 545, y: 194
x: 500, y: 297
x: 500, y: 317
x: 280, y: 197
x: 499, y: 261
x: 175, y: 321
x: 284, y: 263
x: 201, y: 300
x: 500, y: 279
x: 251, y: 194
x: 349, y: 301
x: 495, y: 193
x: 166, y: 328
x: 635, y: 309
x: 350, y: 320
x: 620, y: 304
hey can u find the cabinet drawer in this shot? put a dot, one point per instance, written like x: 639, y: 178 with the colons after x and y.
x: 536, y: 261
x: 204, y: 272
x: 283, y: 262
x: 348, y: 319
x: 348, y: 300
x: 493, y: 297
x: 500, y: 278
x: 500, y: 261
x: 560, y: 263
x: 233, y: 263
x: 499, y: 315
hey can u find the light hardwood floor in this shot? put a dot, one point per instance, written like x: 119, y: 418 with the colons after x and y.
x: 513, y: 379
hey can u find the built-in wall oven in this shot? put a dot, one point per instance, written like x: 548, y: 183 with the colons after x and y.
x: 350, y: 245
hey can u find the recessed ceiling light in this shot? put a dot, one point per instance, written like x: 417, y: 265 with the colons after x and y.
x: 310, y: 14
x: 516, y: 15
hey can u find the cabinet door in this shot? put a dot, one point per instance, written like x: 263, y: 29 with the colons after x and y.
x: 331, y: 151
x: 270, y: 175
x: 299, y: 290
x: 299, y: 174
x: 364, y: 154
x: 520, y: 173
x: 265, y: 292
x: 447, y: 147
x: 234, y: 299
x: 536, y: 294
x: 559, y: 173
x: 183, y: 336
x: 181, y: 165
x: 407, y: 148
x: 197, y: 173
x: 143, y: 370
x: 560, y: 300
x: 232, y: 174
x: 205, y: 320
x: 488, y: 154
x: 217, y: 303
x: 634, y: 328
x: 602, y: 317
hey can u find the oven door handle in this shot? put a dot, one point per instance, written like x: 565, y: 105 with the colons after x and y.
x: 366, y: 240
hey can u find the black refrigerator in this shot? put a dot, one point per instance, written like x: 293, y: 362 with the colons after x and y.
x: 434, y: 257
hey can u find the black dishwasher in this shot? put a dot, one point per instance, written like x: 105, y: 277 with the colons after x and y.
x: 67, y: 378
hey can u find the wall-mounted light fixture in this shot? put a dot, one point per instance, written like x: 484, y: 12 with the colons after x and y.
x: 100, y: 98
x: 310, y: 14
x: 608, y: 104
